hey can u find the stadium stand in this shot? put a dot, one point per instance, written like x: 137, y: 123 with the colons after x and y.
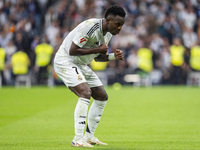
x: 23, y: 24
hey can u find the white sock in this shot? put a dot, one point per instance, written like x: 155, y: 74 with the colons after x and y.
x: 95, y: 112
x: 80, y: 115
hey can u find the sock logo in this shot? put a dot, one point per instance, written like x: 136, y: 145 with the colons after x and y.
x: 82, y: 116
x: 83, y: 122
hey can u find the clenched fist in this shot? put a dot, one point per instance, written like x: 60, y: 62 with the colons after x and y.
x: 103, y: 49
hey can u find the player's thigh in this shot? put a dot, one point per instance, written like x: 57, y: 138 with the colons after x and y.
x: 91, y: 78
x: 82, y: 90
x: 70, y: 74
x: 98, y: 91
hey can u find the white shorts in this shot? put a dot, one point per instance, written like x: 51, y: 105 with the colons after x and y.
x: 73, y: 74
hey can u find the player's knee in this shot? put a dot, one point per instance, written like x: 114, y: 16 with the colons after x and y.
x: 86, y: 93
x: 102, y: 96
x: 98, y: 93
x: 105, y: 97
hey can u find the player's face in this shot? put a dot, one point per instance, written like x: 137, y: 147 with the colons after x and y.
x: 115, y: 24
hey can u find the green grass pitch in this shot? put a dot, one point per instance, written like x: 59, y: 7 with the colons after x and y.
x: 157, y: 118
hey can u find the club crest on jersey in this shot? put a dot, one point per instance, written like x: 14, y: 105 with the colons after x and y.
x: 80, y: 78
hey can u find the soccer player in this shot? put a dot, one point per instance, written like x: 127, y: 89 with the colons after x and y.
x: 84, y: 43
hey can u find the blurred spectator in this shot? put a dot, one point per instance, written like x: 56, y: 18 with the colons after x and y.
x: 24, y: 23
x: 2, y: 66
x: 5, y: 36
x: 188, y: 17
x: 145, y: 64
x: 20, y: 65
x: 52, y: 31
x: 3, y: 15
x: 43, y: 53
x: 166, y: 63
x: 198, y: 29
x: 132, y: 60
x: 156, y: 43
x: 177, y: 50
x: 145, y: 59
x: 20, y: 62
x: 50, y: 16
x: 195, y: 57
x: 10, y: 50
x: 194, y: 74
x: 22, y: 41
x: 189, y: 38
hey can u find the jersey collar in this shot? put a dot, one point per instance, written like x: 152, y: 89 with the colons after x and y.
x: 101, y: 24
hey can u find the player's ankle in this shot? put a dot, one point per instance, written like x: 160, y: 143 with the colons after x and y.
x: 88, y: 136
x: 77, y: 137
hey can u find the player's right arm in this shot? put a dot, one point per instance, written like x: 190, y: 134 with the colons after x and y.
x: 81, y: 36
x: 78, y: 51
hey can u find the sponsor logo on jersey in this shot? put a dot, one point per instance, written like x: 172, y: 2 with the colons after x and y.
x: 83, y: 39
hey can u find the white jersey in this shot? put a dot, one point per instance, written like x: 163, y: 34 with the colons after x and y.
x: 88, y: 34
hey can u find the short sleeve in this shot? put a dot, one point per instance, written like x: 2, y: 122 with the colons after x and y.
x: 81, y: 37
x: 84, y: 32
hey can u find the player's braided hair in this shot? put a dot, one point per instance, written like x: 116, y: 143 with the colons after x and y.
x: 115, y: 10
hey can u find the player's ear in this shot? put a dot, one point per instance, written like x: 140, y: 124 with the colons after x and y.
x: 108, y: 19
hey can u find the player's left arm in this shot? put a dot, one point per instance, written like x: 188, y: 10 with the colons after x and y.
x: 118, y: 54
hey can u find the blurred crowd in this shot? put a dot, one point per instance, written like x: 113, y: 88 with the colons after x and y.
x: 160, y: 39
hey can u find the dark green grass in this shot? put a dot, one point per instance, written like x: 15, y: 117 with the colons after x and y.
x: 158, y: 118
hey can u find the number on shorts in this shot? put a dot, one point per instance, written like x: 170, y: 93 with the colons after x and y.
x: 76, y: 69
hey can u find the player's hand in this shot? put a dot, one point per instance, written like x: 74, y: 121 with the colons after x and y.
x: 103, y: 49
x: 119, y: 54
